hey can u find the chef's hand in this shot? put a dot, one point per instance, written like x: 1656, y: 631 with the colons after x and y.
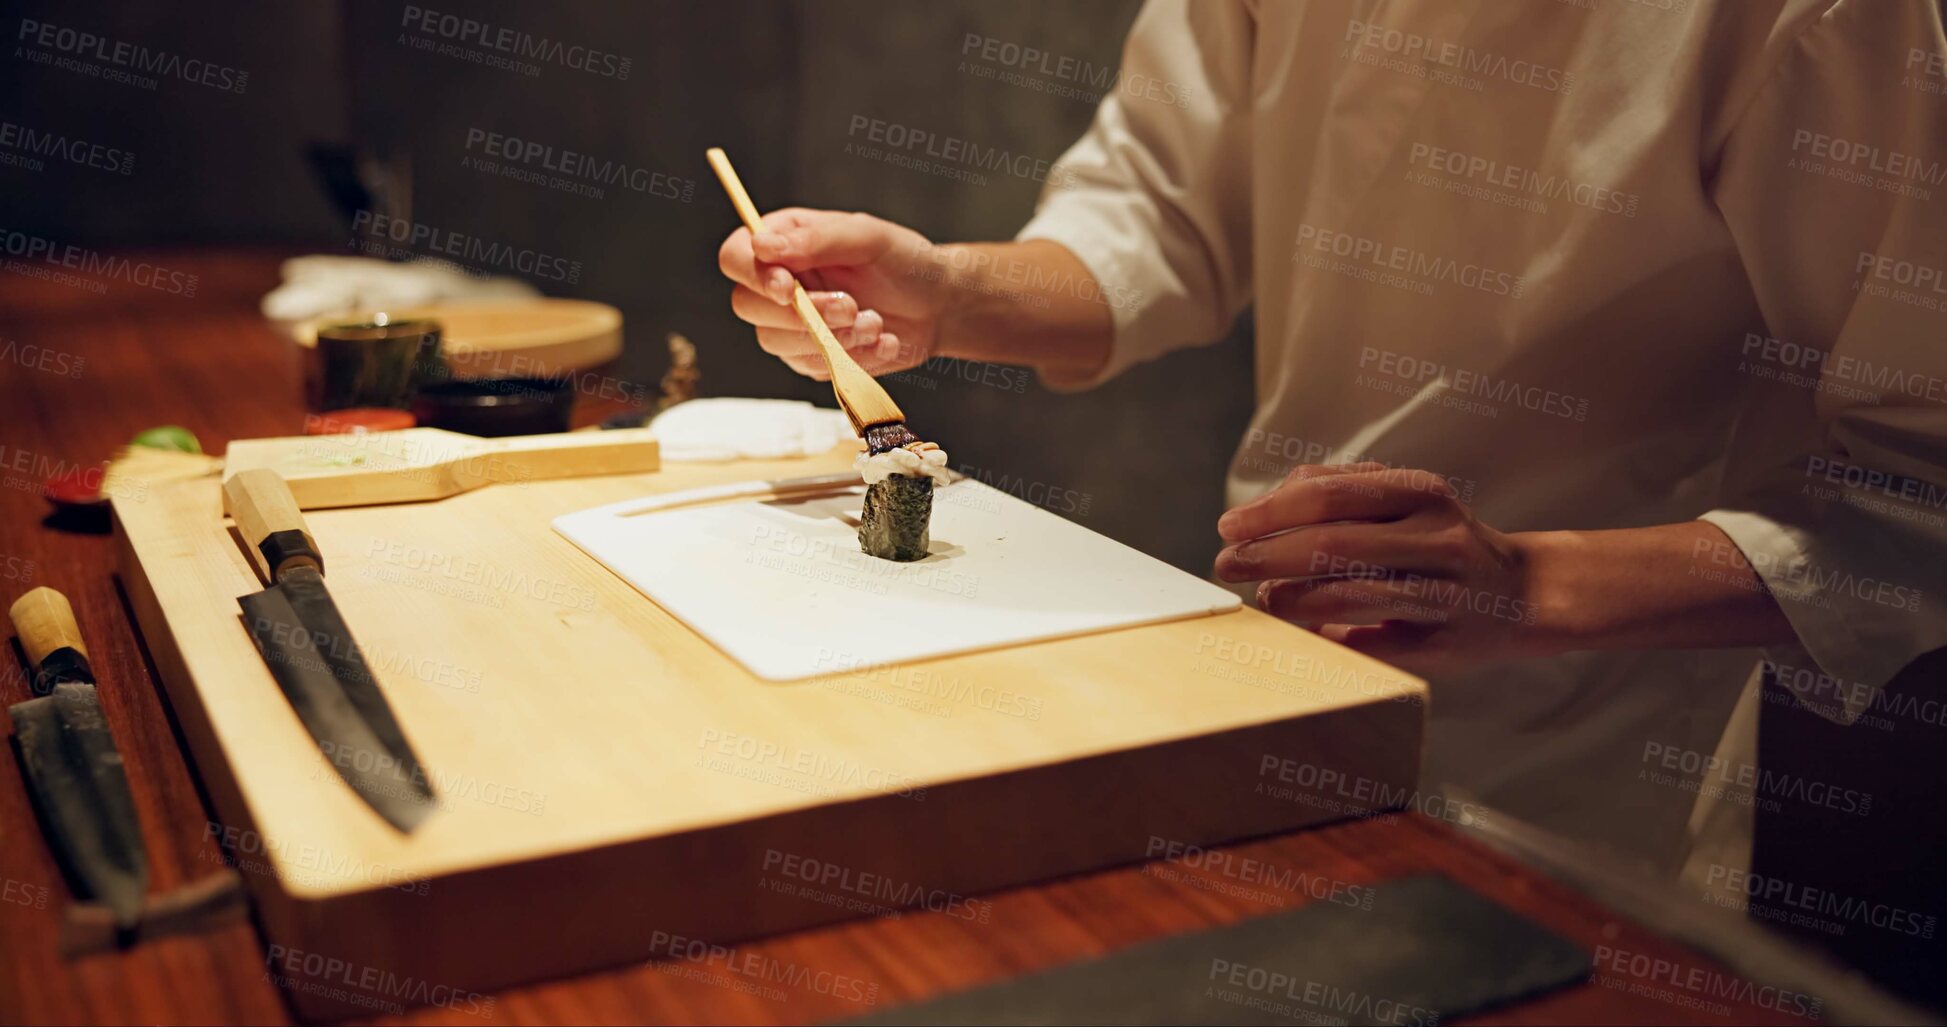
x: 877, y: 284
x: 1386, y: 561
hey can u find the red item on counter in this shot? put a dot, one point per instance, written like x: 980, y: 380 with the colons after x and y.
x: 355, y: 419
x: 77, y: 485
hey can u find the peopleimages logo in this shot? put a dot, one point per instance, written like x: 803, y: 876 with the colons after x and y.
x: 923, y: 144
x: 1762, y: 891
x: 1694, y: 986
x: 92, y: 262
x: 823, y: 769
x: 890, y: 893
x: 367, y: 986
x: 1251, y: 871
x: 1901, y: 487
x: 1276, y: 991
x: 1706, y: 771
x: 29, y: 143
x: 1017, y: 281
x: 1065, y: 75
x: 1419, y: 371
x: 507, y: 44
x: 88, y: 53
x: 1842, y: 374
x: 1457, y: 57
x: 1781, y: 572
x: 1901, y: 272
x: 1926, y: 71
x: 1293, y: 452
x: 1442, y: 596
x: 757, y: 968
x: 1391, y: 264
x: 581, y: 169
x: 1256, y: 658
x: 1867, y: 157
x: 40, y: 358
x: 418, y: 238
x: 1830, y: 696
x: 1355, y: 794
x: 1527, y: 187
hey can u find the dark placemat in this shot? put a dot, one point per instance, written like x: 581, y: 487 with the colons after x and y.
x: 1412, y: 951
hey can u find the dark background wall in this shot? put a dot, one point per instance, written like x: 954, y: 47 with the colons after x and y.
x: 210, y: 165
x: 777, y: 83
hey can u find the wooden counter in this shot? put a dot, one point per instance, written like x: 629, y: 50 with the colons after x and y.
x: 113, y: 363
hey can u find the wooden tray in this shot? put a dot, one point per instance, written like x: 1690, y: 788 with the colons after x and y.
x: 613, y: 784
x: 525, y: 337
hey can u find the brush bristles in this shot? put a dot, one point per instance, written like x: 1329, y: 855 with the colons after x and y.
x: 882, y: 437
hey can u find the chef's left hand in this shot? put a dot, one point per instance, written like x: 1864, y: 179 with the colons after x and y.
x: 1387, y: 561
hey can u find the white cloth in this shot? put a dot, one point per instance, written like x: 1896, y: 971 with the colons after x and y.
x: 748, y: 429
x: 1569, y: 254
x: 325, y: 285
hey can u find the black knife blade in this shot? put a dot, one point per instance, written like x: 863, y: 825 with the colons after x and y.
x: 72, y: 765
x: 316, y: 661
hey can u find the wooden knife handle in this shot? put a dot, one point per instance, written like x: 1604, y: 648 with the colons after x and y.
x: 268, y: 519
x: 45, y: 623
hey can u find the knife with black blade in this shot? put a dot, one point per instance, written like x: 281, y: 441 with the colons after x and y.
x: 72, y: 764
x: 314, y: 658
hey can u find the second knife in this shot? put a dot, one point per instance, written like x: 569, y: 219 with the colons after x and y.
x: 72, y: 764
x: 311, y: 653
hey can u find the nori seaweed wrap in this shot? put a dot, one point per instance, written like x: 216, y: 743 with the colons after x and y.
x: 893, y: 525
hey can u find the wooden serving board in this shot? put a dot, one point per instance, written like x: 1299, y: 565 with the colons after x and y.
x: 413, y: 464
x: 613, y: 784
x: 524, y: 337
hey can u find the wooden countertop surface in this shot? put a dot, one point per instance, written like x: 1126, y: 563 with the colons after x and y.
x: 81, y: 371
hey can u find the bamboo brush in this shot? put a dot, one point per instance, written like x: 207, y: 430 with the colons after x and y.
x: 874, y: 415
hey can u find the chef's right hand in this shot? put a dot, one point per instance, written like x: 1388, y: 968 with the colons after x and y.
x: 880, y: 286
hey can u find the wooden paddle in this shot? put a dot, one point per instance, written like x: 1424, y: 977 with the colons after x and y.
x: 369, y: 468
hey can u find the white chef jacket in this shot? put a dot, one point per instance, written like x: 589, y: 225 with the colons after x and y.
x: 1602, y: 264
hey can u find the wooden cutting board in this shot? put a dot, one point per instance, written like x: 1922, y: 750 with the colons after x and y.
x: 611, y: 781
x: 782, y: 588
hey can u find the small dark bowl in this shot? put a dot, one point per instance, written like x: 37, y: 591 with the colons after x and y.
x: 494, y: 407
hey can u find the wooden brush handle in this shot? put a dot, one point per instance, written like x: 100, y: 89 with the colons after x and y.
x: 45, y: 623
x: 814, y: 322
x: 268, y: 519
x: 739, y: 198
x: 862, y: 398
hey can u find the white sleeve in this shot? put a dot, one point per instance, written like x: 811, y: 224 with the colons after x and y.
x: 1834, y: 184
x: 1155, y: 199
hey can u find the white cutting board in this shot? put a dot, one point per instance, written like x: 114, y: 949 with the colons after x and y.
x: 783, y: 589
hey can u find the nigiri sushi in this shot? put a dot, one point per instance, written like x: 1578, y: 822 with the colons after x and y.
x: 900, y: 472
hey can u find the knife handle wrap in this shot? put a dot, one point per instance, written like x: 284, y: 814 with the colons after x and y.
x: 290, y: 548
x: 66, y: 665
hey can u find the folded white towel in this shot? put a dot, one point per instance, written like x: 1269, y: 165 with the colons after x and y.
x: 732, y: 429
x: 324, y: 285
